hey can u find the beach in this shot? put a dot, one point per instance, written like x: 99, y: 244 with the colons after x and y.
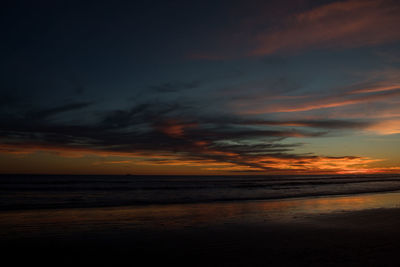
x: 200, y: 133
x: 351, y: 230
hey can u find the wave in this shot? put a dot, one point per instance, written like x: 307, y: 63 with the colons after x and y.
x: 52, y: 191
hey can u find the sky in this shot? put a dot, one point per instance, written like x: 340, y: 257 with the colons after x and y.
x: 200, y: 87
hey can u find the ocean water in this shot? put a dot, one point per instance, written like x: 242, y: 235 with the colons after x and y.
x: 62, y: 209
x: 27, y: 192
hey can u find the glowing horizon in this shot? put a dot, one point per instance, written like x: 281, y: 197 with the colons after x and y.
x: 235, y: 88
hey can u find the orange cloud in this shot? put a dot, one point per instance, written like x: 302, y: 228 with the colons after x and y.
x: 385, y: 127
x: 371, y: 170
x: 358, y: 96
x: 76, y: 152
x: 174, y: 128
x: 224, y: 162
x: 310, y: 165
x: 319, y: 164
x: 113, y: 162
x: 376, y: 89
x: 340, y: 24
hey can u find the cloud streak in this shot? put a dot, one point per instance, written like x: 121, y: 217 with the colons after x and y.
x: 339, y: 24
x: 153, y: 135
x: 372, y: 93
x: 335, y: 25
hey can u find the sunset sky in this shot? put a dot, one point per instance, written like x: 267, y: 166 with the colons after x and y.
x: 200, y: 87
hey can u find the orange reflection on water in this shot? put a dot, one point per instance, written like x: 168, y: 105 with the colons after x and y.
x: 32, y: 223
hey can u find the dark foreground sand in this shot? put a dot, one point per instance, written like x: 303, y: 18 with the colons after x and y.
x: 353, y: 238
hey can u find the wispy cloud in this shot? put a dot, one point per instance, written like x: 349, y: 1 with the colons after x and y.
x: 153, y: 135
x: 339, y: 97
x: 340, y: 24
x: 335, y: 25
x: 385, y: 127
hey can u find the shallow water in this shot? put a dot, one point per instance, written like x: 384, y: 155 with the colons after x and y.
x: 60, y: 206
x: 61, y: 223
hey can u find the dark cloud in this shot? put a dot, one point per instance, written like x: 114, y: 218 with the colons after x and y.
x: 7, y: 98
x: 45, y: 113
x: 257, y: 149
x: 157, y: 129
x: 171, y: 87
x: 324, y: 124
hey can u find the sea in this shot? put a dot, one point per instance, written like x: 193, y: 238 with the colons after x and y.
x: 60, y: 209
x: 30, y: 192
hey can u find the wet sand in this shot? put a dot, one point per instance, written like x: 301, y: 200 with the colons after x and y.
x: 228, y: 234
